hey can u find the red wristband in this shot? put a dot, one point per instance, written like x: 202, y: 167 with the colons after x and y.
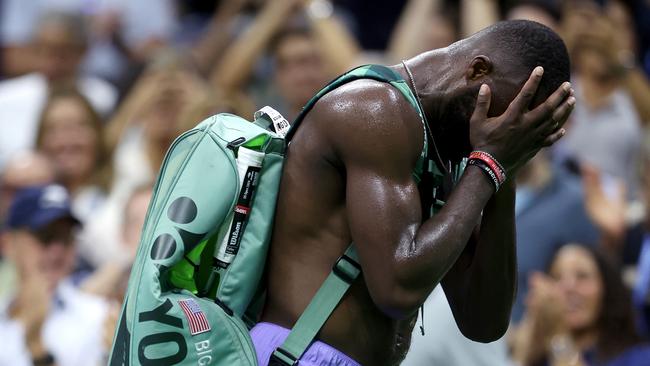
x: 491, y: 162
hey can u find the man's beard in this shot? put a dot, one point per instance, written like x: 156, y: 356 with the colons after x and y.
x: 451, y: 130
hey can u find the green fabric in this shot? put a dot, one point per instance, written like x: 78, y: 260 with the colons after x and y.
x: 321, y: 307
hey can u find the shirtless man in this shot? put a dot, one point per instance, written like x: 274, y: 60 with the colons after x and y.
x: 348, y: 178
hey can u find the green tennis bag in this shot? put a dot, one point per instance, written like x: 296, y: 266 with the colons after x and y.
x: 195, y: 287
x: 170, y: 315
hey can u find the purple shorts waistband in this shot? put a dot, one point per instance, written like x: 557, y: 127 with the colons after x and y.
x: 267, y: 337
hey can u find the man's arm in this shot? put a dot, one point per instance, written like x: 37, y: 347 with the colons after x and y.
x: 338, y: 46
x: 237, y: 62
x: 217, y: 36
x: 378, y: 137
x: 481, y: 286
x: 415, y: 17
x: 476, y: 15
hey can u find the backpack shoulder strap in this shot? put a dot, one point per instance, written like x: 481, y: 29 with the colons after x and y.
x: 345, y: 271
x: 374, y: 72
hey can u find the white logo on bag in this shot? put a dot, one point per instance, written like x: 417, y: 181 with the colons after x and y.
x: 204, y: 351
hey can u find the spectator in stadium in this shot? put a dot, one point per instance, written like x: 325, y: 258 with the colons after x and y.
x: 626, y: 243
x: 70, y: 134
x: 150, y: 118
x: 605, y: 130
x: 549, y: 211
x: 306, y: 56
x: 125, y: 35
x: 613, y: 24
x: 546, y: 12
x: 59, y: 43
x: 167, y: 100
x: 110, y: 280
x: 579, y: 313
x: 48, y: 320
x: 22, y: 170
x: 438, y: 19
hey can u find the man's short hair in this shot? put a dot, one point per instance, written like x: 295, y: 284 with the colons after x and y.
x: 524, y: 45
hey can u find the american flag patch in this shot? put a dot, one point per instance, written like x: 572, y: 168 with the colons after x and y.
x: 195, y: 316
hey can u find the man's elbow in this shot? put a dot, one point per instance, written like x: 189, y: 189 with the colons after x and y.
x: 398, y: 303
x: 484, y: 332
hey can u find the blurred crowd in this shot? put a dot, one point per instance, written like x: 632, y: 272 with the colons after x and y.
x: 93, y: 92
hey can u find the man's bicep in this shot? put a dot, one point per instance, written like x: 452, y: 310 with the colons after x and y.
x: 379, y: 205
x: 377, y: 138
x: 384, y: 214
x: 382, y: 198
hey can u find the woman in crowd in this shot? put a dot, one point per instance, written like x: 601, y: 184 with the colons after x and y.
x: 605, y: 129
x: 167, y: 100
x: 110, y: 280
x: 580, y: 313
x: 150, y: 118
x: 71, y: 134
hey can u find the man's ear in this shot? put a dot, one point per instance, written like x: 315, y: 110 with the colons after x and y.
x: 480, y: 67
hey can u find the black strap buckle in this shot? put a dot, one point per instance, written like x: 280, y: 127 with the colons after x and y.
x: 236, y: 143
x: 340, y: 271
x: 275, y: 360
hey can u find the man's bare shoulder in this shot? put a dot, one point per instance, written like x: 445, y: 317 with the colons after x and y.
x: 368, y: 116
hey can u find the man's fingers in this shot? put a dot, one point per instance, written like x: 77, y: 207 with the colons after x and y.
x: 482, y: 103
x: 525, y: 96
x: 550, y: 140
x: 561, y: 114
x: 551, y: 104
x: 558, y: 118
